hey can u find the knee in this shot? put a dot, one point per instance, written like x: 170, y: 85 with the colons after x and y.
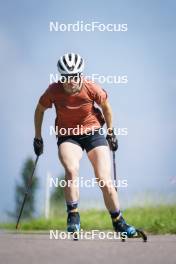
x: 71, y: 171
x: 107, y: 188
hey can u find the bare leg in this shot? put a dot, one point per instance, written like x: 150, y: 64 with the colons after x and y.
x: 100, y: 159
x: 70, y: 155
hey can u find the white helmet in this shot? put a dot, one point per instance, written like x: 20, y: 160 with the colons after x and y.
x: 70, y: 63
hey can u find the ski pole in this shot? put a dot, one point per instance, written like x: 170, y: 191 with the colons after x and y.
x: 114, y: 169
x: 27, y: 192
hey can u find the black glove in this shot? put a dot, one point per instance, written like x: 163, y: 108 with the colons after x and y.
x: 112, y: 140
x: 38, y: 146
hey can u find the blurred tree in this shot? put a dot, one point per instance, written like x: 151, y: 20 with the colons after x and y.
x: 29, y: 207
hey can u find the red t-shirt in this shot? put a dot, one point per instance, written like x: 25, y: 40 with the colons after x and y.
x: 77, y: 110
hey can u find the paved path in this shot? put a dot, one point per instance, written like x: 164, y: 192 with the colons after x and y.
x: 38, y: 248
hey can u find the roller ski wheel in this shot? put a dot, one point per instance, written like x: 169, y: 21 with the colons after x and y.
x: 138, y: 234
x: 75, y: 236
x: 126, y: 230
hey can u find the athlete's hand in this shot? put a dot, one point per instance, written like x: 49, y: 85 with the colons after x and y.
x: 38, y: 146
x: 112, y: 140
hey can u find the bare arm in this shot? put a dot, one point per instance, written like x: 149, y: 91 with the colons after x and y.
x: 38, y: 119
x: 107, y: 112
x: 111, y: 136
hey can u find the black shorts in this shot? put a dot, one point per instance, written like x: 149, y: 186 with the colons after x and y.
x: 87, y: 142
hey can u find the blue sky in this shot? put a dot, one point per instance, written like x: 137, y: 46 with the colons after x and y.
x: 146, y: 105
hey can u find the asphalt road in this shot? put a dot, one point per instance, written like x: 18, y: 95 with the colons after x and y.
x: 39, y: 248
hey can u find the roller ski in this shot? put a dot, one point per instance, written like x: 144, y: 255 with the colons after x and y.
x: 73, y: 224
x: 127, y: 231
x: 119, y: 224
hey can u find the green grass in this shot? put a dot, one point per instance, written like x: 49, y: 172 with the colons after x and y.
x: 154, y: 220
